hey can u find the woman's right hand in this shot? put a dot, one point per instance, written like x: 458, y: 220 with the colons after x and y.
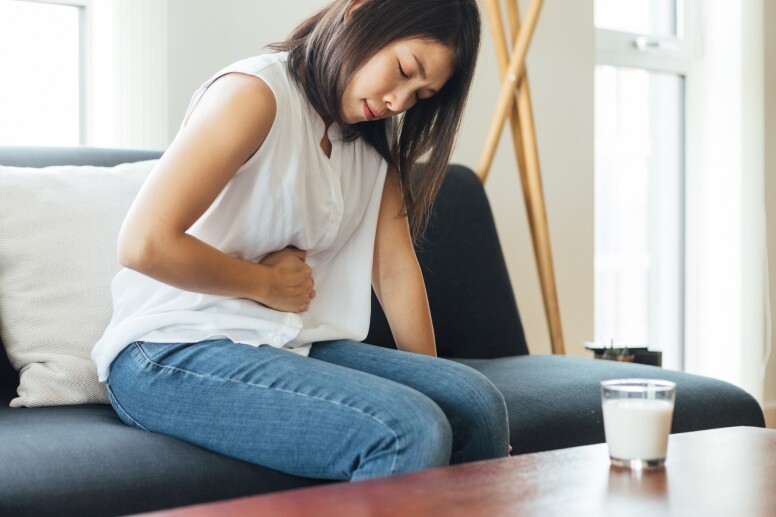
x: 291, y: 288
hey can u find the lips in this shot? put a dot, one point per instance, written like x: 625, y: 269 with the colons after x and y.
x: 368, y: 113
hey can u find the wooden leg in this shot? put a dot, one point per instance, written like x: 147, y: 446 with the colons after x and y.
x: 526, y: 153
x: 506, y: 98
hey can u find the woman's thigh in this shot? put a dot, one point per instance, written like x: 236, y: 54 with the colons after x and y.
x: 473, y: 405
x: 278, y: 409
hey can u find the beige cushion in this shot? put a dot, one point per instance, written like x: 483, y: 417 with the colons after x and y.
x: 58, y: 231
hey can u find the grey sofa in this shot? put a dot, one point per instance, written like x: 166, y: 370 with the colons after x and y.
x: 81, y: 460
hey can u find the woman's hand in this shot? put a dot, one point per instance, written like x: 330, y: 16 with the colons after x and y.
x: 292, y: 287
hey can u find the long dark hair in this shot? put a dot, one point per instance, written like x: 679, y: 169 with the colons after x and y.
x: 325, y: 50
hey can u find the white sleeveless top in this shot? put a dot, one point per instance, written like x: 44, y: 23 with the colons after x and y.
x: 287, y: 194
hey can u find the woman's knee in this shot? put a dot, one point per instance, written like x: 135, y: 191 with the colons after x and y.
x: 424, y: 435
x: 432, y: 437
x: 487, y: 397
x: 480, y: 404
x: 472, y: 390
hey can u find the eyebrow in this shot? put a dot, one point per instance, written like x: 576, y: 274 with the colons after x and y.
x: 422, y: 70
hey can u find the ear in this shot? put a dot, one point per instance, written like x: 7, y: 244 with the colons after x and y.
x: 354, y: 4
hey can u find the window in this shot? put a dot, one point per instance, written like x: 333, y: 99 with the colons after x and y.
x: 642, y: 64
x: 653, y: 17
x: 41, y: 58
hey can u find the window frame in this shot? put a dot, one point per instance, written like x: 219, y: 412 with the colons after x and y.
x: 654, y: 53
x: 664, y: 54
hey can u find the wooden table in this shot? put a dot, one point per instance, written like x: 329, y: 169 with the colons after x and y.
x: 724, y: 472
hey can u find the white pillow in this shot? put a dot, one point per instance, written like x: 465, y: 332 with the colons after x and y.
x: 58, y: 232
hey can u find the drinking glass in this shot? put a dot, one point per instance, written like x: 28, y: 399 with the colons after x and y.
x: 637, y: 421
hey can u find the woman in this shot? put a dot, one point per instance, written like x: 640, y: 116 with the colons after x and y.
x: 250, y: 251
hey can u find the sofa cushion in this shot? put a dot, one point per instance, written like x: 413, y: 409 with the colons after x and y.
x: 58, y: 231
x: 45, y: 156
x: 82, y: 460
x: 555, y: 401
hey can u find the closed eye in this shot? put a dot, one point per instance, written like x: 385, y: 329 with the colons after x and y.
x: 401, y: 71
x: 406, y: 76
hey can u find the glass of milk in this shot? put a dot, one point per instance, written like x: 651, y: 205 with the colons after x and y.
x: 637, y: 421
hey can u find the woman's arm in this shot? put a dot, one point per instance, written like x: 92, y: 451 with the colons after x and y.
x: 396, y: 276
x: 229, y: 125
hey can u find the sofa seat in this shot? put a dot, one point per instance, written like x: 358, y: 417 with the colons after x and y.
x: 82, y: 460
x: 554, y: 401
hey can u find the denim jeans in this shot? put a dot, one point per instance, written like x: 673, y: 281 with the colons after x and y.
x: 350, y: 411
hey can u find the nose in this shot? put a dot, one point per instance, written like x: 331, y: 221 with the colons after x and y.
x: 400, y: 100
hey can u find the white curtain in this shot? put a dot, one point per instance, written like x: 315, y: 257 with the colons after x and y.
x: 726, y: 266
x: 129, y: 84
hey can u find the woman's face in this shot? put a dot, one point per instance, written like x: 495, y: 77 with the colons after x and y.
x: 395, y: 79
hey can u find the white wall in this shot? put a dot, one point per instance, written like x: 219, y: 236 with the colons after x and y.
x: 205, y: 36
x: 560, y: 72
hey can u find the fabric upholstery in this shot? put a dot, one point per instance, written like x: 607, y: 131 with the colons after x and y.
x: 46, y: 156
x: 9, y: 378
x: 49, y: 156
x: 58, y: 231
x: 81, y: 460
x: 554, y: 401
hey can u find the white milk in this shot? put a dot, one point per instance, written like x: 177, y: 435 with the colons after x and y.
x: 637, y: 428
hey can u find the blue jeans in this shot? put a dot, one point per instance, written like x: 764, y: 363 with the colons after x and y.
x: 350, y: 411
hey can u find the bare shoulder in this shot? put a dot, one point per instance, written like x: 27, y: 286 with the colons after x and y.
x: 242, y: 88
x: 237, y: 110
x: 248, y: 92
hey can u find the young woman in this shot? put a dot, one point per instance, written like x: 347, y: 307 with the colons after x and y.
x: 251, y: 249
